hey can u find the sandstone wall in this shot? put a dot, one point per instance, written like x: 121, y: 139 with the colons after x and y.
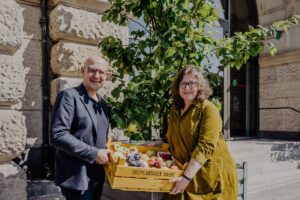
x: 280, y: 87
x: 82, y: 26
x: 15, y: 66
x: 76, y: 34
x: 12, y: 78
x: 12, y: 181
x: 76, y: 31
x: 279, y: 76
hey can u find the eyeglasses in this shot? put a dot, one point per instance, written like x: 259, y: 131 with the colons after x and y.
x: 92, y: 72
x: 191, y: 84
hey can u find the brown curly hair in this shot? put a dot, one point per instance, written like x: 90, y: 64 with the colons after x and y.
x: 204, y: 90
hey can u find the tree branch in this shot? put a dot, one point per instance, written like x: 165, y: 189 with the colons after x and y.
x: 136, y: 23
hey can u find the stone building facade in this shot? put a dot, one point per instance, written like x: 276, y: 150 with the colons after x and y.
x: 75, y: 29
x: 265, y: 103
x: 279, y: 76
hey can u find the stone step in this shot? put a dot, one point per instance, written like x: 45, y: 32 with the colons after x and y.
x: 242, y: 146
x: 289, y: 191
x: 258, y: 148
x: 254, y: 158
x: 270, y: 168
x: 42, y: 190
x: 264, y: 153
x: 270, y: 163
x: 259, y: 183
x: 48, y: 197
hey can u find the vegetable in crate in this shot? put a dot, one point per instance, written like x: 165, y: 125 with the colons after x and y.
x: 135, y: 160
x: 169, y: 163
x: 124, y: 150
x: 165, y: 155
x: 133, y: 149
x: 118, y: 155
x: 151, y: 153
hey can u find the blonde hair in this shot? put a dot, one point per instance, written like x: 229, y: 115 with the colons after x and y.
x: 204, y: 90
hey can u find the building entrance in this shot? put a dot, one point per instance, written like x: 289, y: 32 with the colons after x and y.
x: 243, y: 83
x: 243, y: 100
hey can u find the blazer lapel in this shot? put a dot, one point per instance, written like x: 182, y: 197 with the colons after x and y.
x: 84, y: 97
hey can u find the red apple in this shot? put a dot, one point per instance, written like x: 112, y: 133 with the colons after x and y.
x: 151, y: 163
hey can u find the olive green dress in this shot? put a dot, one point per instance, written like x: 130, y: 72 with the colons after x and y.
x: 198, y: 134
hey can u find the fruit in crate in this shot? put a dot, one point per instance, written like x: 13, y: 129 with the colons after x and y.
x: 160, y: 164
x: 133, y: 149
x: 174, y: 167
x: 151, y: 162
x: 165, y: 155
x: 169, y: 163
x: 159, y: 159
x: 124, y: 150
x: 118, y: 155
x: 145, y: 157
x: 137, y: 156
x: 135, y: 160
x: 151, y: 153
x: 151, y: 158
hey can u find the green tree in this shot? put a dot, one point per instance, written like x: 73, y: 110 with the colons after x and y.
x: 175, y: 35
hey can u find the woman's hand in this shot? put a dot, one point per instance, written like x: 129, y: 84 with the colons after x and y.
x: 157, y: 143
x: 180, y: 185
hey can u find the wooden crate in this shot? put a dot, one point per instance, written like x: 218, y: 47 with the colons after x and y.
x: 140, y: 178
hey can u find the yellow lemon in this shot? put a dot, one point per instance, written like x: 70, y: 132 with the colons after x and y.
x: 132, y: 128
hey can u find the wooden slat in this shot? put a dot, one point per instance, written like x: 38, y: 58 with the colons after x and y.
x: 134, y: 184
x: 141, y: 172
x: 109, y: 173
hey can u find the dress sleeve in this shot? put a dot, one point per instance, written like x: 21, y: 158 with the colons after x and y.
x: 210, y: 130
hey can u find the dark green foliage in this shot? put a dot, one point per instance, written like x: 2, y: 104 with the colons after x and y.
x: 177, y: 35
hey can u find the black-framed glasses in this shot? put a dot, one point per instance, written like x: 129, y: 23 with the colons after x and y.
x: 191, y: 84
x: 92, y: 72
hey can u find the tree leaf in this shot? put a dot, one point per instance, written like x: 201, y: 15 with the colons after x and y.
x: 170, y: 52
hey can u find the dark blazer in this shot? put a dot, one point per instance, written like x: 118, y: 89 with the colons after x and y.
x: 73, y: 132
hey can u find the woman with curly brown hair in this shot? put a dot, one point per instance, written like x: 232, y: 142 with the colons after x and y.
x: 195, y: 137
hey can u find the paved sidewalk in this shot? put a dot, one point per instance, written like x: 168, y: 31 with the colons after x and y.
x: 290, y: 191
